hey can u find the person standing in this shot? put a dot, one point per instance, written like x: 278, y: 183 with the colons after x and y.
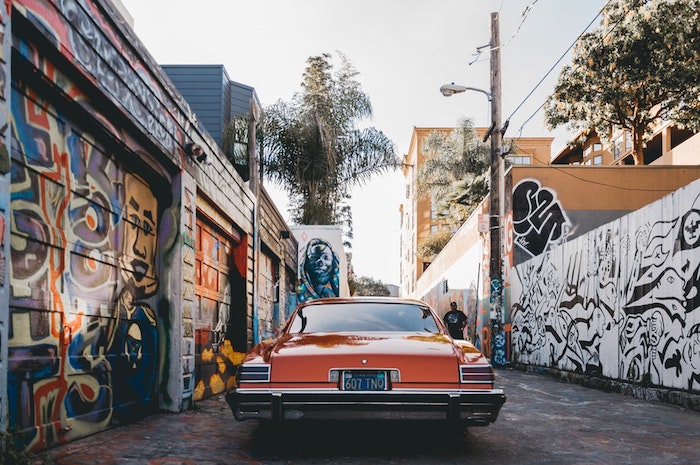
x: 455, y: 320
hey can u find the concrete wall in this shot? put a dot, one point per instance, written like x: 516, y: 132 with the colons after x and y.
x: 457, y: 275
x: 621, y: 301
x: 545, y: 207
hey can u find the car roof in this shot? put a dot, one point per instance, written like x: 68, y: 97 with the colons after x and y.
x: 365, y: 299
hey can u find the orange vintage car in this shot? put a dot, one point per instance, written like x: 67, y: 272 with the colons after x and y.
x: 366, y: 358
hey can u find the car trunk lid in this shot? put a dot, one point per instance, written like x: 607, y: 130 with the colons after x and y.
x: 419, y: 358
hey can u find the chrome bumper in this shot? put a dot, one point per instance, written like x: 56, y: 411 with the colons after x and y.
x: 471, y: 407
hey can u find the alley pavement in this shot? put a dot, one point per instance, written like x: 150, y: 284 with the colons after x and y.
x: 544, y: 421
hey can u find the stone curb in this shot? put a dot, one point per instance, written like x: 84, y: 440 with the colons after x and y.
x: 676, y: 397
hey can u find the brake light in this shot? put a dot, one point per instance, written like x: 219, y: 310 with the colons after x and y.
x: 476, y: 374
x: 254, y: 374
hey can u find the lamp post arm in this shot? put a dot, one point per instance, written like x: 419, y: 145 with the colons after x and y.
x: 485, y: 92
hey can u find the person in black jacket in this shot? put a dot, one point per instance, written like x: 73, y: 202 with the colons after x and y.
x: 455, y: 320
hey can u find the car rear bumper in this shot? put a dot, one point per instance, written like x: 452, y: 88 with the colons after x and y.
x: 472, y: 407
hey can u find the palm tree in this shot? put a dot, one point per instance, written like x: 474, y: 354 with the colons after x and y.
x: 313, y: 148
x: 455, y: 172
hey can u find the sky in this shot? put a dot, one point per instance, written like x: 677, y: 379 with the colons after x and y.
x: 404, y: 50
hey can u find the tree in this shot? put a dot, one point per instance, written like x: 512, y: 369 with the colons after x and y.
x: 432, y: 244
x: 314, y: 149
x: 455, y: 172
x: 371, y: 287
x: 639, y: 68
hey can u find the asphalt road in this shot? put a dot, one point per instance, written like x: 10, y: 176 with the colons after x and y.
x: 544, y: 421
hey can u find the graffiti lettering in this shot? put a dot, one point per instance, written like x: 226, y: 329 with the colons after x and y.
x: 107, y: 65
x: 538, y: 218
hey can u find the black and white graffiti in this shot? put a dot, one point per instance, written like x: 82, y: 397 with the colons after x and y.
x: 538, y: 218
x: 622, y: 301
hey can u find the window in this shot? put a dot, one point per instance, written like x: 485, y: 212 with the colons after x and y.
x: 235, y: 144
x: 628, y: 141
x: 597, y: 147
x: 363, y: 317
x: 617, y: 146
x: 598, y: 160
x: 433, y: 212
x: 520, y: 160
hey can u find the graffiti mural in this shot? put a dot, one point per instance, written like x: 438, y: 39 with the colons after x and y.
x: 539, y: 220
x: 131, y: 332
x: 219, y: 287
x: 319, y: 271
x: 84, y: 335
x: 322, y: 263
x: 621, y: 301
x: 81, y: 28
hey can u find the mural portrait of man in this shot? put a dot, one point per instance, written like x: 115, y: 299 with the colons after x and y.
x: 319, y: 271
x: 132, y: 334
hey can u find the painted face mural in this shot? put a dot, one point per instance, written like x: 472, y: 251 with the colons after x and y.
x: 86, y: 355
x: 139, y: 246
x: 132, y: 333
x: 320, y: 272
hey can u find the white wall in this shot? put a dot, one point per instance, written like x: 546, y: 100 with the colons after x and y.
x: 622, y: 301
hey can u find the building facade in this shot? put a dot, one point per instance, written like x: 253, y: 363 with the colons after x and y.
x: 131, y: 244
x: 418, y: 213
x: 667, y: 145
x: 599, y: 271
x: 229, y: 112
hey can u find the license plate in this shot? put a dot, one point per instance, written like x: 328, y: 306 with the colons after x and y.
x: 364, y: 381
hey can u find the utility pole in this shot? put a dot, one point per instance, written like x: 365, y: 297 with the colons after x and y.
x: 496, y: 222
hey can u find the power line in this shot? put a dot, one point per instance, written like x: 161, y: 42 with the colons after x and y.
x: 523, y: 15
x: 550, y: 71
x: 567, y: 170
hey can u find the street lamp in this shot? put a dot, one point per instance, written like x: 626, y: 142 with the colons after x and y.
x: 449, y: 90
x: 495, y: 193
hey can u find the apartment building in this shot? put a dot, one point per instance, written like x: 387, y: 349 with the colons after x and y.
x: 419, y: 214
x: 668, y: 145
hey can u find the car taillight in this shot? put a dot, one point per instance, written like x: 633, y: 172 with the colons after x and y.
x: 476, y: 374
x: 254, y: 374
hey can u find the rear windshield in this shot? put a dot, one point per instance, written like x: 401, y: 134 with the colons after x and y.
x: 363, y: 317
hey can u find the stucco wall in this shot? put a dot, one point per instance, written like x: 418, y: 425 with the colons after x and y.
x: 621, y: 301
x: 459, y: 273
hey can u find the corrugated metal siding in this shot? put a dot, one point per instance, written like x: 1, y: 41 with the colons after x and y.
x: 241, y: 96
x: 204, y: 89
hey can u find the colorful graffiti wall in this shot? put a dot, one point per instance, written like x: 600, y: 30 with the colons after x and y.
x: 5, y: 53
x: 86, y: 333
x: 220, y: 312
x: 622, y: 301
